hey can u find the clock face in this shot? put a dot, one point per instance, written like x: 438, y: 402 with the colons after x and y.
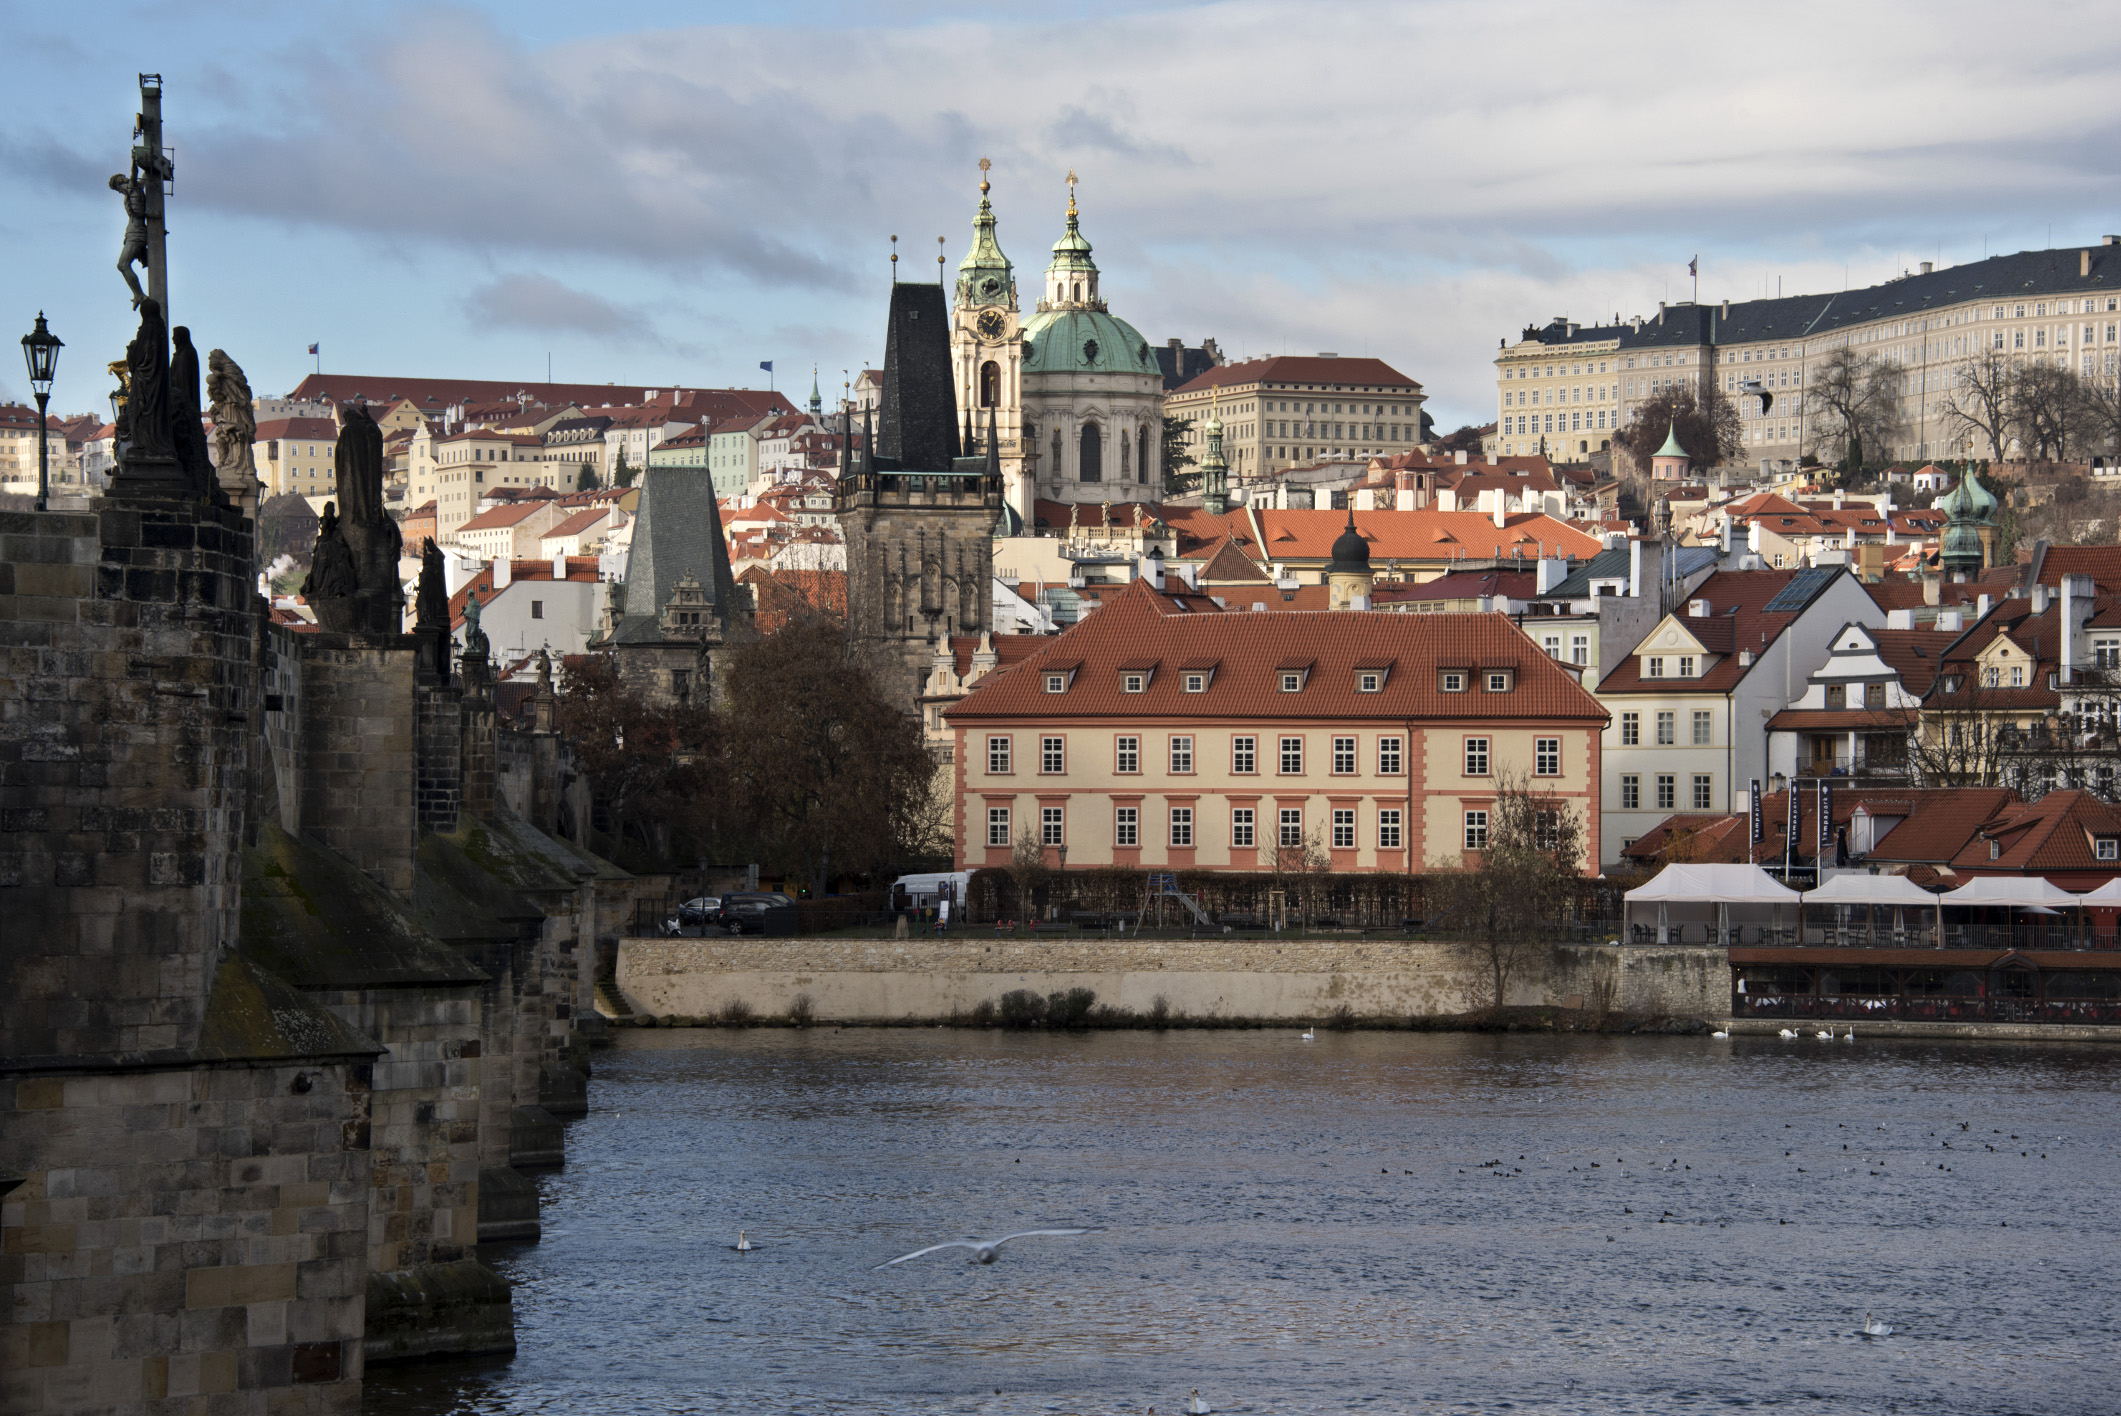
x: 990, y: 324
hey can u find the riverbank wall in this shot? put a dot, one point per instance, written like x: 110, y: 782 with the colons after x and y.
x: 1273, y: 980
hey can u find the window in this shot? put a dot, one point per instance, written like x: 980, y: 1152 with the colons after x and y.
x: 1552, y: 644
x: 1388, y: 757
x: 1056, y: 683
x: 2106, y: 653
x: 1995, y: 848
x: 1244, y: 754
x: 1686, y: 665
x: 1837, y: 696
x: 1546, y: 829
x: 1498, y: 682
x: 2017, y: 676
x: 1292, y: 826
x: 1196, y: 683
x: 1388, y: 829
x: 1292, y: 756
x: 1241, y: 822
x: 1343, y: 829
x: 1703, y: 793
x: 1702, y: 731
x: 1452, y: 681
x: 1630, y: 792
x: 537, y: 609
x: 1580, y: 649
x: 1182, y: 755
x: 1127, y: 757
x: 997, y: 825
x: 1476, y: 757
x: 1343, y: 756
x: 998, y: 755
x: 1134, y: 683
x: 1181, y: 825
x: 1631, y: 729
x: 1666, y: 791
x: 1667, y: 729
x: 1546, y: 757
x: 1049, y: 825
x: 2106, y: 848
x: 1656, y: 667
x: 1476, y: 830
x: 1126, y: 826
x: 1052, y: 755
x: 1368, y: 683
x: 1874, y: 695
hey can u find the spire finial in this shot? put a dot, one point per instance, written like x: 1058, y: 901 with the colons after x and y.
x: 1071, y: 191
x: 938, y: 260
x: 894, y: 260
x: 983, y: 166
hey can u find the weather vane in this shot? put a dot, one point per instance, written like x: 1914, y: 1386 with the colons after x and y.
x: 983, y: 166
x: 1071, y: 191
x: 938, y: 260
x: 894, y: 260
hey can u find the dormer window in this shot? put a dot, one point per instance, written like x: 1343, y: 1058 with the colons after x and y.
x: 1656, y: 663
x: 1134, y: 683
x: 2106, y: 848
x: 1292, y: 682
x: 1995, y: 848
x: 1056, y: 683
x: 1686, y: 665
x: 1498, y: 681
x: 1369, y: 683
x: 1452, y: 681
x: 1196, y: 683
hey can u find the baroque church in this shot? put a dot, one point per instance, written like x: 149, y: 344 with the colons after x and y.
x: 1075, y: 393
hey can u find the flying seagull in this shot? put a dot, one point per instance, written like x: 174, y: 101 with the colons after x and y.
x: 984, y: 1251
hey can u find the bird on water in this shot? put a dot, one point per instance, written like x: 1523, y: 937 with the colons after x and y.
x: 1873, y: 1328
x: 743, y: 1245
x: 1310, y: 1034
x: 1196, y: 1405
x: 1787, y: 1033
x: 984, y: 1251
x: 1725, y: 1032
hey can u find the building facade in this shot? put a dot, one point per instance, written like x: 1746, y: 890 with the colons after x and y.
x: 1293, y: 411
x: 1344, y: 740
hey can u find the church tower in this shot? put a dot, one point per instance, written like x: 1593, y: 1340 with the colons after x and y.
x: 986, y: 346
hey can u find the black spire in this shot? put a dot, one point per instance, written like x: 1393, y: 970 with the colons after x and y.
x: 918, y: 434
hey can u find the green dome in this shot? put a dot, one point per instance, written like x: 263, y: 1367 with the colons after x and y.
x: 1081, y: 341
x: 1671, y: 446
x: 1969, y: 501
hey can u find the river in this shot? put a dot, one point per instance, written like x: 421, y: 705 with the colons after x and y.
x: 1366, y: 1222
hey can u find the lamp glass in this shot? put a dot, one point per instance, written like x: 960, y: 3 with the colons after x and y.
x: 40, y: 350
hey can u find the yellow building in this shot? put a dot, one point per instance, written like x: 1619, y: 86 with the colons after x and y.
x: 1292, y: 412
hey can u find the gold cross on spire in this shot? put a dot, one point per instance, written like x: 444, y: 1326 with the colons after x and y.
x: 1071, y: 191
x: 983, y: 166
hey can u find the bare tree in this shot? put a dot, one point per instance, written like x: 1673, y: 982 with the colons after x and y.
x: 1027, y: 869
x: 1977, y: 406
x: 1956, y: 740
x: 1705, y: 421
x: 1526, y: 876
x: 2047, y: 410
x: 2102, y: 408
x: 1854, y: 400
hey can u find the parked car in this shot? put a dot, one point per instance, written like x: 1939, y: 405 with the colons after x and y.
x: 701, y: 911
x: 749, y: 912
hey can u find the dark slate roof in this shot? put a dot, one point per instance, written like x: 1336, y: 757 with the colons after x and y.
x: 677, y: 529
x: 918, y: 413
x: 1606, y: 565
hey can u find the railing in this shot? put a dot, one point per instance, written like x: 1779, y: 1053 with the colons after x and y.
x: 1930, y: 1009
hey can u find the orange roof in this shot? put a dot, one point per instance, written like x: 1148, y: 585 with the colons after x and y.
x: 1424, y: 535
x: 502, y: 517
x: 1138, y: 625
x: 2101, y: 563
x: 2054, y: 833
x: 1934, y: 824
x: 580, y: 569
x: 1736, y: 621
x: 576, y: 524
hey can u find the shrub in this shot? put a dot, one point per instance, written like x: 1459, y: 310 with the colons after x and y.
x: 983, y: 1013
x: 735, y: 1013
x: 801, y: 1010
x: 1160, y: 1012
x: 1021, y: 1008
x: 1070, y: 1009
x: 1107, y: 1015
x: 1343, y: 1019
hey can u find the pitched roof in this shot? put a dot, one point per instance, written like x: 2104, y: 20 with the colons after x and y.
x: 2101, y: 563
x: 1225, y: 564
x: 322, y: 429
x: 1737, y: 620
x: 1935, y: 823
x: 2054, y: 833
x: 432, y: 395
x: 1423, y: 535
x: 502, y: 517
x: 778, y: 594
x: 580, y: 569
x: 1137, y: 625
x: 1287, y: 368
x: 677, y: 531
x: 576, y: 524
x: 1465, y: 585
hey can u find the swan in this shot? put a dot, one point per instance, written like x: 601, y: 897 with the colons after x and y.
x: 1724, y: 1032
x: 1196, y: 1406
x: 1850, y: 1036
x: 1787, y: 1033
x: 984, y: 1251
x: 743, y: 1245
x: 1825, y: 1035
x: 1310, y: 1034
x: 1873, y: 1328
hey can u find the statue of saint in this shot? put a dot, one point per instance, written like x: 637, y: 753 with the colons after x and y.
x: 132, y: 249
x: 431, y: 600
x: 331, y: 563
x: 147, y: 402
x: 235, y: 425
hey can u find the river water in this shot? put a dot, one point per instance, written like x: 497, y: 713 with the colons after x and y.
x: 1368, y: 1222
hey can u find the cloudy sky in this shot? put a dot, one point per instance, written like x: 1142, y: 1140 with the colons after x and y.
x: 671, y: 192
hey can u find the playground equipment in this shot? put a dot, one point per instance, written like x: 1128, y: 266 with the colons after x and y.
x: 1163, y: 885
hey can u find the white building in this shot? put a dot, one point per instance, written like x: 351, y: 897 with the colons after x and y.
x: 512, y: 530
x: 528, y: 605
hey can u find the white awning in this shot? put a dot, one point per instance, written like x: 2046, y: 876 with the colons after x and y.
x: 1713, y: 885
x: 1865, y: 889
x: 2008, y: 891
x: 2107, y: 894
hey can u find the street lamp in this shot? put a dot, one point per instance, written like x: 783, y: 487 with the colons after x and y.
x: 40, y: 350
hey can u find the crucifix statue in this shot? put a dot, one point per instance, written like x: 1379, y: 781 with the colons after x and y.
x: 132, y: 247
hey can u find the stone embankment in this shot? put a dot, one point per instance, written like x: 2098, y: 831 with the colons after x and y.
x: 1288, y: 979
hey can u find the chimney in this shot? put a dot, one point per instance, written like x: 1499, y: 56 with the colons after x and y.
x: 2084, y: 264
x: 1697, y: 609
x: 503, y: 572
x: 1550, y: 573
x: 2039, y: 599
x: 1899, y: 619
x: 559, y: 565
x: 1634, y: 569
x: 1984, y: 607
x: 1499, y: 522
x: 1459, y: 457
x: 1493, y: 459
x: 1948, y: 622
x: 1726, y: 535
x: 1837, y: 499
x: 1152, y: 568
x: 1927, y: 267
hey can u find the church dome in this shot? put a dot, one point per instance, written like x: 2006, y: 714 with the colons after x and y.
x: 1969, y: 501
x: 1351, y: 553
x: 1079, y: 341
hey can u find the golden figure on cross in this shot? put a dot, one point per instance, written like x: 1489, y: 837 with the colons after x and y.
x: 983, y: 166
x: 1071, y: 191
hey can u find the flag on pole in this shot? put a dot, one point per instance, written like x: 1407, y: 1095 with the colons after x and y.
x: 312, y: 348
x: 766, y: 364
x: 1693, y: 267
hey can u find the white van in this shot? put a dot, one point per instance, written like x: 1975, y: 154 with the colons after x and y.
x: 920, y: 892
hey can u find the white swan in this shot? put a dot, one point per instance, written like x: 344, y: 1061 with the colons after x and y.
x: 1787, y: 1033
x: 1196, y: 1406
x: 743, y: 1245
x: 1310, y: 1034
x: 1873, y: 1328
x: 1851, y: 1035
x: 984, y: 1251
x: 1724, y: 1032
x: 1825, y: 1035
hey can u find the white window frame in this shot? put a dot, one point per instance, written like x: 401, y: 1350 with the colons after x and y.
x: 999, y: 754
x: 1343, y: 828
x: 1388, y: 824
x: 1126, y: 826
x: 1052, y: 756
x: 1288, y: 750
x: 1391, y: 759
x: 1182, y: 755
x: 1478, y: 756
x: 1127, y: 755
x: 1243, y: 827
x: 1244, y: 755
x: 1052, y: 825
x: 1346, y: 756
x: 1546, y: 757
x: 1476, y: 827
x: 1182, y: 827
x: 1290, y: 820
x: 998, y: 826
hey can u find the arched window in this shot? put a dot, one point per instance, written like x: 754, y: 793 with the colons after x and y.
x: 1092, y: 468
x: 1078, y: 290
x: 1141, y: 455
x: 990, y: 385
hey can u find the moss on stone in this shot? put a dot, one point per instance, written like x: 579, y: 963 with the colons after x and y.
x: 317, y: 921
x: 251, y: 1015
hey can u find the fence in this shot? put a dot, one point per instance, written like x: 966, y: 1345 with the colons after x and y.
x: 1848, y: 1007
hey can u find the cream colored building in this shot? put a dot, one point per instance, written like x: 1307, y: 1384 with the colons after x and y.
x: 456, y: 470
x: 2056, y: 306
x: 297, y: 455
x: 1292, y: 411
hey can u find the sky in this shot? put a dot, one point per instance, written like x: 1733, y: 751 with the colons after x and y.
x: 670, y: 193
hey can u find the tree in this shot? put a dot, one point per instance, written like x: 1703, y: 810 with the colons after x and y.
x: 1177, y: 458
x: 2048, y: 411
x: 1466, y: 440
x: 650, y: 770
x: 1705, y: 421
x: 1027, y: 871
x: 1500, y: 905
x: 2102, y: 409
x: 1977, y: 406
x: 1854, y: 401
x: 824, y: 774
x: 622, y: 470
x: 287, y: 527
x: 586, y: 480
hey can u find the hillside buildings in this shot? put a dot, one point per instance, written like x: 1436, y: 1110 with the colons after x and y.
x: 1292, y: 411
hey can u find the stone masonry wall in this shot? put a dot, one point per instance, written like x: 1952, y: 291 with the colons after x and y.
x: 358, y: 768
x: 190, y: 1242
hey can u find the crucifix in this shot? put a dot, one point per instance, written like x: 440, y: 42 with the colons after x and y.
x: 1071, y: 191
x: 983, y: 166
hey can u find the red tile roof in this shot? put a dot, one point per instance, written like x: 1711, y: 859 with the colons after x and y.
x: 1137, y: 624
x: 1423, y: 535
x: 581, y: 569
x: 432, y: 395
x: 1936, y: 823
x: 1736, y: 621
x: 303, y: 429
x: 502, y: 517
x: 576, y: 524
x: 1289, y: 368
x: 2052, y: 834
x: 2101, y: 563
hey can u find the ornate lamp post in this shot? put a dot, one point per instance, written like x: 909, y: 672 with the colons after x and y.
x: 40, y: 350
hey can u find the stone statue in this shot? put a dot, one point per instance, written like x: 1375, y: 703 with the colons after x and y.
x: 187, y: 429
x: 475, y: 645
x: 150, y: 449
x: 132, y: 249
x: 431, y: 601
x: 331, y: 566
x: 363, y: 531
x: 235, y: 429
